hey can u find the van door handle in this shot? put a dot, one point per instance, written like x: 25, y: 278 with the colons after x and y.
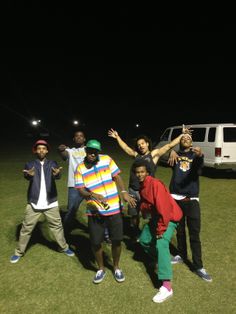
x: 227, y: 156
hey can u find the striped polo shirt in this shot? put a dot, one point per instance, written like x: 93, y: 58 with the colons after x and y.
x: 98, y: 179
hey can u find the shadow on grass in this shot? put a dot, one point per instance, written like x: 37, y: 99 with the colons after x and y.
x: 187, y: 262
x: 37, y: 237
x: 218, y: 173
x: 81, y: 245
x: 149, y: 263
x: 130, y: 241
x: 84, y: 253
x: 75, y: 224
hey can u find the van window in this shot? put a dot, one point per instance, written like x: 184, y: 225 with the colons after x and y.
x: 165, y: 136
x: 229, y: 135
x: 198, y: 134
x: 212, y: 135
x: 176, y: 133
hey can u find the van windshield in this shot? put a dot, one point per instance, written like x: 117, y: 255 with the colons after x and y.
x: 198, y: 134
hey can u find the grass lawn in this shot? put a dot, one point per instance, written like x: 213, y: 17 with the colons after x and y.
x: 45, y: 281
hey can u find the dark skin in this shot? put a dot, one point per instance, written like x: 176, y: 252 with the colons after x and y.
x: 41, y: 152
x: 90, y: 160
x: 79, y: 140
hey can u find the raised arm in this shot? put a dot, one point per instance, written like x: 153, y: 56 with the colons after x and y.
x: 123, y: 145
x: 158, y: 152
x: 62, y: 151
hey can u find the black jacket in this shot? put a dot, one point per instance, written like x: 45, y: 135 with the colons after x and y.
x: 34, y: 182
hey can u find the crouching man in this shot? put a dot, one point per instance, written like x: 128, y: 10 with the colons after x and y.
x: 165, y: 214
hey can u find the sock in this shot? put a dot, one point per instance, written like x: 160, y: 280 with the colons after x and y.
x: 167, y: 284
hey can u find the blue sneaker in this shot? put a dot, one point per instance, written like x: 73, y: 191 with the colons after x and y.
x: 15, y: 258
x: 119, y: 276
x: 203, y: 274
x: 100, y: 275
x: 68, y: 252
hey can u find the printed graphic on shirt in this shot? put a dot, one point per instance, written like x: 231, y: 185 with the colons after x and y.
x: 78, y: 154
x: 184, y: 163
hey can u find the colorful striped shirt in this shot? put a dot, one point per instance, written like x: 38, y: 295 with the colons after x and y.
x: 98, y: 179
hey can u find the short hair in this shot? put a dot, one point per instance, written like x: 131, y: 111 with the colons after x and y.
x: 141, y: 163
x: 80, y: 130
x: 146, y: 139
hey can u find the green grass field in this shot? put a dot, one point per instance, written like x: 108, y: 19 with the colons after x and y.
x: 45, y: 281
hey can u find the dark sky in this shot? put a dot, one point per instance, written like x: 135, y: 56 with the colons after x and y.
x: 59, y: 64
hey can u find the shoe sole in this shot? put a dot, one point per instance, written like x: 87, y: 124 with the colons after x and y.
x: 163, y: 299
x: 70, y: 255
x: 120, y: 280
x: 13, y: 262
x: 207, y: 280
x: 100, y: 280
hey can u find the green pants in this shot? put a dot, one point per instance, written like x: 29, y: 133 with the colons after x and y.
x: 159, y: 248
x: 31, y: 218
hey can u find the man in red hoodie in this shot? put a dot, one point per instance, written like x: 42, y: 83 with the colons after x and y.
x: 165, y: 214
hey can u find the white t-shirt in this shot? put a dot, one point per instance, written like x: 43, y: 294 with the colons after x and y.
x: 76, y: 155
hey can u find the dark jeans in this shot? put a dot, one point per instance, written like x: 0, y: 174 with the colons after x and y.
x: 191, y: 216
x: 74, y: 200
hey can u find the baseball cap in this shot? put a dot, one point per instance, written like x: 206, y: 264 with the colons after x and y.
x: 94, y: 144
x: 40, y: 142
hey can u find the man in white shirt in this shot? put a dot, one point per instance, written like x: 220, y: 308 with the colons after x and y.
x: 74, y: 156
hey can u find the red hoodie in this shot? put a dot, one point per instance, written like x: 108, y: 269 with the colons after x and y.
x: 156, y: 199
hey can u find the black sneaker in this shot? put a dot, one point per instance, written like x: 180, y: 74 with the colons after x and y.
x: 203, y: 274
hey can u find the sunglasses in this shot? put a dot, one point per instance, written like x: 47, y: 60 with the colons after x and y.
x: 92, y: 151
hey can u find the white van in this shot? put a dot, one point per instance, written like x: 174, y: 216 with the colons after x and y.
x: 217, y: 141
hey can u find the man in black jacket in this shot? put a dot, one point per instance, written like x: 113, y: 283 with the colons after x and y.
x: 184, y: 188
x: 41, y: 200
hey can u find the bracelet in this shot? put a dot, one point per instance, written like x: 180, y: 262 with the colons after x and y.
x: 123, y: 191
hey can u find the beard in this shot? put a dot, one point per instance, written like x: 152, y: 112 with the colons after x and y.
x: 89, y: 163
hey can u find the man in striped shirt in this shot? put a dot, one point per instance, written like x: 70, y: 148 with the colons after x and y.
x: 98, y: 180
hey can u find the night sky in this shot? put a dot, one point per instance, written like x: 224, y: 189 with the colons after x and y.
x: 60, y: 64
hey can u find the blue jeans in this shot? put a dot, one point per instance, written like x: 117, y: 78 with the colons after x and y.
x: 74, y: 200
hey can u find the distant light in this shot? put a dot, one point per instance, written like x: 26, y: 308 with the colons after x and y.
x: 34, y: 123
x: 137, y: 125
x: 75, y: 122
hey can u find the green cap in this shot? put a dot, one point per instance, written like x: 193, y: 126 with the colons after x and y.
x: 94, y: 144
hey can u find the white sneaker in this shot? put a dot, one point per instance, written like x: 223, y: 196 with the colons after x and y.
x: 177, y: 259
x: 162, y: 295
